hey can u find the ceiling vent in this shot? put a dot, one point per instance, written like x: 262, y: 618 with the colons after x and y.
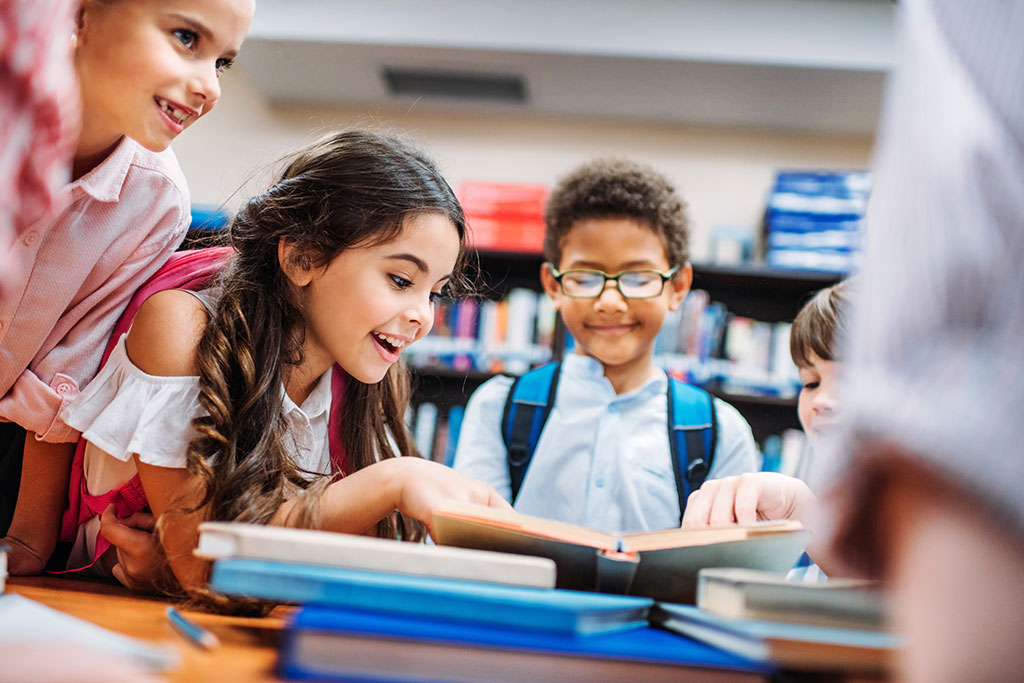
x: 500, y: 88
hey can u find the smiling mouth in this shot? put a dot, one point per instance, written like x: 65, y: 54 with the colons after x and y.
x: 390, y: 344
x: 620, y: 327
x: 175, y: 113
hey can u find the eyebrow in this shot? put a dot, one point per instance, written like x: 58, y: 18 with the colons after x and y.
x: 202, y: 30
x: 420, y: 264
x: 641, y: 264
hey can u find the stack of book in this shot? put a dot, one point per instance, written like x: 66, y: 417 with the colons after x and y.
x: 815, y: 219
x: 837, y: 626
x: 505, y: 216
x: 375, y: 608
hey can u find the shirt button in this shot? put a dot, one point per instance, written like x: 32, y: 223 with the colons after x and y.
x: 599, y: 483
x: 30, y: 238
x: 63, y: 388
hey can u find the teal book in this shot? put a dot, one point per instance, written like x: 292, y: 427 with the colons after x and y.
x: 332, y: 643
x: 535, y: 609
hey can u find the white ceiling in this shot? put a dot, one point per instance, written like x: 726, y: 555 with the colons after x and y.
x: 791, y: 64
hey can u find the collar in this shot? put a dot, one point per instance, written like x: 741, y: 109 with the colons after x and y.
x: 317, y: 403
x: 590, y: 369
x: 104, y: 182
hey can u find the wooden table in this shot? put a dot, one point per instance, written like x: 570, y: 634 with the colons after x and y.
x: 248, y: 646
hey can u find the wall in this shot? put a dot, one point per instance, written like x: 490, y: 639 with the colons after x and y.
x: 724, y: 174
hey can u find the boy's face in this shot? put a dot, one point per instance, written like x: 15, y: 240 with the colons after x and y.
x: 618, y: 332
x: 817, y: 406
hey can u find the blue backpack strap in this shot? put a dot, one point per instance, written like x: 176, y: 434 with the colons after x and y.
x: 527, y: 408
x: 691, y: 435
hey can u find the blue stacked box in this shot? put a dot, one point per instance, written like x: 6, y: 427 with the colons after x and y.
x: 815, y: 219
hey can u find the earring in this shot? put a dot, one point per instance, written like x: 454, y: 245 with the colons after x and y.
x: 74, y: 40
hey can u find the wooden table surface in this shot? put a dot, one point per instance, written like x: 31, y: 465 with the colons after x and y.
x: 248, y: 646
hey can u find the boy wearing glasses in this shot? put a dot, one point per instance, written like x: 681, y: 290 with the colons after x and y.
x: 616, y: 249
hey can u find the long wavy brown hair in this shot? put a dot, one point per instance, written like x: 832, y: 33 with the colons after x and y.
x: 351, y: 189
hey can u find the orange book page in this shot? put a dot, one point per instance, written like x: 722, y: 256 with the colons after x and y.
x: 545, y: 528
x: 681, y: 538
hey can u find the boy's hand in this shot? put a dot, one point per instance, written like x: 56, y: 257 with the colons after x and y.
x: 22, y: 558
x: 141, y: 565
x: 748, y: 498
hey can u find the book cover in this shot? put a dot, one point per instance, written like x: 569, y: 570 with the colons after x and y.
x: 218, y: 540
x: 790, y: 645
x: 750, y: 594
x: 345, y: 644
x: 660, y: 564
x: 534, y: 609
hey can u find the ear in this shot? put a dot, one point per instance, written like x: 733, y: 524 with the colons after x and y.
x: 678, y: 286
x: 550, y: 284
x: 294, y: 263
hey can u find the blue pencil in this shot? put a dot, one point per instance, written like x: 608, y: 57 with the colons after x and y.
x: 196, y: 634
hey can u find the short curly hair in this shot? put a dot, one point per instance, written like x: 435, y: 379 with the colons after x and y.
x: 617, y: 188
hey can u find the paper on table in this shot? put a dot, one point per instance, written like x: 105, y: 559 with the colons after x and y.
x: 26, y: 622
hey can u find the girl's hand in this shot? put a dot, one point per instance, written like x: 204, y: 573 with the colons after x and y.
x: 425, y: 485
x: 747, y: 498
x: 141, y: 565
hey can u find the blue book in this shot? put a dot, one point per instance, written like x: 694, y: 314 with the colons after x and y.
x: 534, y: 609
x: 325, y: 643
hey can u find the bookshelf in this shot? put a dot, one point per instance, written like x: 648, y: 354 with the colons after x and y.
x: 757, y: 292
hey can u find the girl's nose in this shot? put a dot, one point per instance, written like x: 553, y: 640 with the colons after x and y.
x: 421, y: 314
x: 206, y: 84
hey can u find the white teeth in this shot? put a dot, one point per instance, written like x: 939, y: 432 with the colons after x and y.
x: 397, y: 343
x: 172, y: 111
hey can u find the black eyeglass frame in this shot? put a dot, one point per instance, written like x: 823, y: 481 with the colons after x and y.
x: 665, y: 277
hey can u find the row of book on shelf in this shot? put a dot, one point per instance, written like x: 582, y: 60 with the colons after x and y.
x: 813, y: 219
x: 702, y: 342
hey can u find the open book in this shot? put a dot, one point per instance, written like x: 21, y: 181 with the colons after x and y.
x: 658, y: 564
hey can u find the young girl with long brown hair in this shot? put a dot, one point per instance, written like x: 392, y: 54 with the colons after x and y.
x: 220, y: 401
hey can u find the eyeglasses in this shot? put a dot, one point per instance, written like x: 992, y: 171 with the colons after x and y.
x: 632, y: 284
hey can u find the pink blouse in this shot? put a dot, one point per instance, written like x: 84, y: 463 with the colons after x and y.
x: 69, y: 280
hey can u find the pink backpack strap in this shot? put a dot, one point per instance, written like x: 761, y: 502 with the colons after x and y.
x: 339, y: 459
x: 191, y: 270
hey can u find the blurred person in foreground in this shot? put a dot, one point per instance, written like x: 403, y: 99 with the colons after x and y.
x: 923, y: 482
x: 926, y: 487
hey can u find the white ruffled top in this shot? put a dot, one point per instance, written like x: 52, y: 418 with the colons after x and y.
x: 125, y: 411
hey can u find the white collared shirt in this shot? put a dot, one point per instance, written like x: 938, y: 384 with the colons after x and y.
x: 603, y: 460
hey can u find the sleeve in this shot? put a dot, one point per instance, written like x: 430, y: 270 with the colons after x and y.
x: 74, y: 349
x: 735, y: 452
x: 481, y: 452
x: 124, y: 411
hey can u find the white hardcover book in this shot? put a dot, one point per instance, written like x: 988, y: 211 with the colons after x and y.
x: 218, y: 540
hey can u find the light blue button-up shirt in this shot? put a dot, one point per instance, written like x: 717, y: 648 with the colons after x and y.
x: 603, y: 460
